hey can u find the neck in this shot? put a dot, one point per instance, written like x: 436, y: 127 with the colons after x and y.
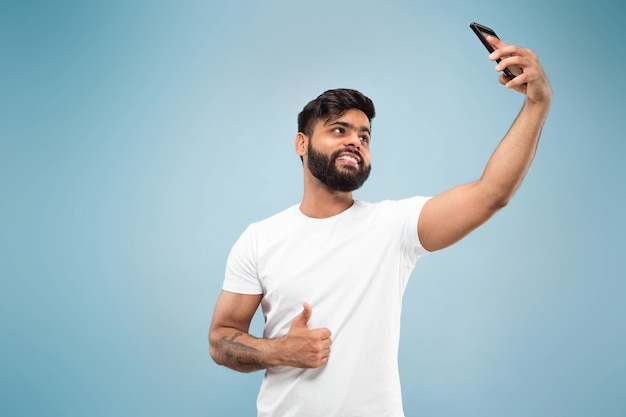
x: 320, y: 202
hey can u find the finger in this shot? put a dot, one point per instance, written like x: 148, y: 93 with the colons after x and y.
x: 505, y: 51
x: 512, y: 60
x: 325, y: 333
x: 326, y: 343
x: 495, y: 42
x: 304, y: 317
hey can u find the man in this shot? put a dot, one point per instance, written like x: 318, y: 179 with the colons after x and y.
x: 330, y: 272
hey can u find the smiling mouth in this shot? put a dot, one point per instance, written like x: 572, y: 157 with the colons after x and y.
x: 350, y: 160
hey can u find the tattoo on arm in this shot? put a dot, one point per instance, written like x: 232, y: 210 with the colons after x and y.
x: 240, y: 354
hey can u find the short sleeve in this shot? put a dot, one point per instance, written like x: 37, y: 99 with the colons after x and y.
x: 412, y: 244
x: 241, y: 268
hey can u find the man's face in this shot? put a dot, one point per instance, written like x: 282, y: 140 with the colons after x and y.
x: 340, y: 158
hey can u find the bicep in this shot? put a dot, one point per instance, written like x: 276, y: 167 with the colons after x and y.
x: 451, y: 215
x: 234, y: 310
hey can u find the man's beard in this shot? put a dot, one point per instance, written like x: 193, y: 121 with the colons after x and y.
x: 324, y: 168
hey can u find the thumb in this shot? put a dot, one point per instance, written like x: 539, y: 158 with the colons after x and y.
x: 303, y: 318
x: 495, y: 41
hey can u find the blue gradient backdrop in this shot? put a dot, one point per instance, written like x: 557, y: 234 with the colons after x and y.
x: 138, y: 139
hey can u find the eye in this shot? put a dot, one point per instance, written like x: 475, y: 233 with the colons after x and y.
x: 364, y: 139
x: 339, y: 130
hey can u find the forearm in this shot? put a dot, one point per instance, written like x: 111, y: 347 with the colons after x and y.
x: 512, y: 158
x: 240, y: 351
x: 230, y: 345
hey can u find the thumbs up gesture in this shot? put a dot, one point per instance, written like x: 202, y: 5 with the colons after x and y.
x: 302, y: 347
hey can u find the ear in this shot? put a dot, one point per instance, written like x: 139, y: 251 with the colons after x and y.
x: 302, y: 143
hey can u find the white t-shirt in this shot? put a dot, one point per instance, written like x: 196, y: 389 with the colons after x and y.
x: 352, y: 269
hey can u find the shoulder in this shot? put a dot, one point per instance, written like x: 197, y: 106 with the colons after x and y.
x: 260, y: 233
x: 271, y: 228
x: 286, y: 216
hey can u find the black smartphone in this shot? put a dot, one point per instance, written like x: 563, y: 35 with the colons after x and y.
x: 482, y: 32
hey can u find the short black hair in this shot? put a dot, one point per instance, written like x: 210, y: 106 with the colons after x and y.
x: 333, y: 103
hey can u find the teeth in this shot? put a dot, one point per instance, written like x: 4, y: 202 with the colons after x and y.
x: 349, y: 158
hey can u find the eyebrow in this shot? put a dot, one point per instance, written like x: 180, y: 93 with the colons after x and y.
x: 351, y: 126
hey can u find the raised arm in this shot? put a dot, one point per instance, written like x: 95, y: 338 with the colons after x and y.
x: 231, y: 345
x: 451, y: 215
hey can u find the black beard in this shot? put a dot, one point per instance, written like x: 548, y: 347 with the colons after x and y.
x: 324, y: 169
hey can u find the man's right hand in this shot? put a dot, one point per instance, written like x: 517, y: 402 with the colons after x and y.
x: 302, y: 347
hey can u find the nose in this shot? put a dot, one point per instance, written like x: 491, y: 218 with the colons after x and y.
x: 354, y: 141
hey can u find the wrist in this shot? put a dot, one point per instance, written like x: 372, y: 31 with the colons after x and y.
x: 538, y: 105
x: 272, y: 352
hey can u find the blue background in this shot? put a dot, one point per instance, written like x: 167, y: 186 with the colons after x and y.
x: 138, y: 140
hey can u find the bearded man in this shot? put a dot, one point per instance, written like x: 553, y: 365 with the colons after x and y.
x: 329, y: 273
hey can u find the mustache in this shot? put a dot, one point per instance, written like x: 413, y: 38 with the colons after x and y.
x: 350, y: 150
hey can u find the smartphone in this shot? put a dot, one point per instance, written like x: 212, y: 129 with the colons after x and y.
x: 482, y: 32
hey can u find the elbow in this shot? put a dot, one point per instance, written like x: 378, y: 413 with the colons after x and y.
x: 496, y: 199
x: 492, y: 207
x: 499, y: 203
x: 495, y: 195
x: 213, y: 354
x: 214, y: 350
